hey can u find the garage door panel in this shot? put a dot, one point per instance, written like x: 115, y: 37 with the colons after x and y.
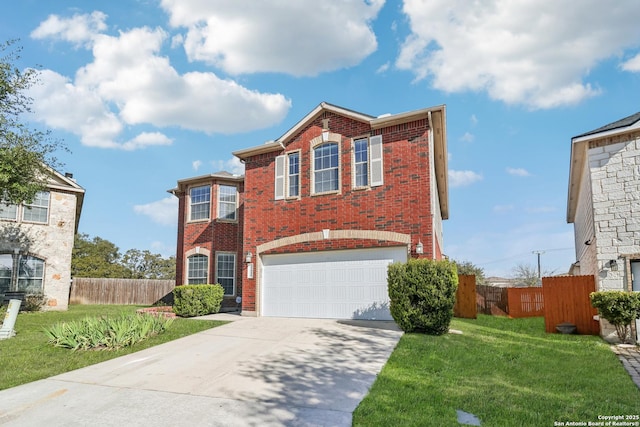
x: 333, y: 284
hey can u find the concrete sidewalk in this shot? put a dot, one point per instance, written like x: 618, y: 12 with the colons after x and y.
x: 250, y: 372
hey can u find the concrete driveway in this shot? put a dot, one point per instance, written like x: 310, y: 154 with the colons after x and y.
x: 250, y: 372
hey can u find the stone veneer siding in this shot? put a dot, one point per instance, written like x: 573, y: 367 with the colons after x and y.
x: 52, y: 242
x: 615, y: 183
x: 614, y: 169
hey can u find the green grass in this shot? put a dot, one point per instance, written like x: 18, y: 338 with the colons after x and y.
x: 27, y: 356
x: 507, y: 372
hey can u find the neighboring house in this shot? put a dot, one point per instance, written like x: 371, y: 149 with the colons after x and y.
x: 36, y: 242
x: 604, y: 205
x: 320, y: 213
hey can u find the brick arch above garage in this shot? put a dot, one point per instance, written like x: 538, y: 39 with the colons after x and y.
x: 336, y: 239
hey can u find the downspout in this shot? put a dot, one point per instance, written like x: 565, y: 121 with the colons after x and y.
x: 434, y: 235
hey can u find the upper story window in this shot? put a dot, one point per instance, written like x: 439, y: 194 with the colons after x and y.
x: 197, y: 268
x: 38, y: 210
x: 8, y: 211
x: 227, y: 202
x: 293, y: 189
x: 200, y: 202
x: 367, y: 162
x: 361, y: 160
x: 325, y: 168
x: 287, y: 179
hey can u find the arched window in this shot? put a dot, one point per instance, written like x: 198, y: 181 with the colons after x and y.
x: 197, y: 269
x: 325, y: 168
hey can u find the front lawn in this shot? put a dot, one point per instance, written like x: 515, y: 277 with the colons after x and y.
x: 27, y: 356
x: 507, y: 372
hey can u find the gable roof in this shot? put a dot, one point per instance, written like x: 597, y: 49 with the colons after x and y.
x: 579, y: 147
x: 437, y: 123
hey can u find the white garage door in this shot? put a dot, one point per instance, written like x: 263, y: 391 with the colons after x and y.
x: 347, y: 284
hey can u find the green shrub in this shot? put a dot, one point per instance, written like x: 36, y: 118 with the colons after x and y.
x: 618, y: 308
x: 105, y: 333
x: 197, y: 300
x: 33, y: 302
x: 422, y: 294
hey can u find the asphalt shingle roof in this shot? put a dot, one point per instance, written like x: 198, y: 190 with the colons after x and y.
x: 622, y: 123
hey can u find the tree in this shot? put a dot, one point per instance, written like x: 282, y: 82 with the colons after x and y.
x: 145, y: 265
x: 468, y: 268
x: 26, y: 155
x: 96, y: 258
x: 527, y: 274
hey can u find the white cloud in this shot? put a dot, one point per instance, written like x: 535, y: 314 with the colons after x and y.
x: 518, y: 172
x: 463, y: 178
x: 196, y: 164
x: 632, y: 64
x: 129, y: 82
x: 78, y: 30
x: 473, y: 119
x: 530, y: 53
x: 301, y: 38
x: 163, y: 212
x: 233, y: 165
x: 383, y: 68
x: 467, y: 137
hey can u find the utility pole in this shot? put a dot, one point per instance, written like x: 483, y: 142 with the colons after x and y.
x: 538, y: 253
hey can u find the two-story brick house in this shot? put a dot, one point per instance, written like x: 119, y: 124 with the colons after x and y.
x: 36, y: 241
x: 322, y: 211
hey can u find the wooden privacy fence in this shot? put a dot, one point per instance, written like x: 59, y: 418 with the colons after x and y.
x: 566, y: 299
x: 491, y: 300
x: 119, y: 291
x: 525, y: 302
x: 465, y: 305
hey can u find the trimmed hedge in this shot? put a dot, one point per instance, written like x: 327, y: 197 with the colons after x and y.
x: 422, y: 294
x: 197, y: 300
x: 618, y: 308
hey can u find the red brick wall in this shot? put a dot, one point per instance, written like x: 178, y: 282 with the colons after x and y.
x: 212, y: 235
x: 401, y: 205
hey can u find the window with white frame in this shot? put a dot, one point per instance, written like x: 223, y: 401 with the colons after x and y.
x: 226, y: 272
x: 197, y: 268
x: 361, y: 162
x: 38, y: 209
x: 287, y: 179
x: 30, y: 275
x: 293, y: 187
x: 227, y: 202
x: 200, y: 199
x: 8, y: 211
x: 6, y: 271
x: 325, y: 168
x: 367, y: 162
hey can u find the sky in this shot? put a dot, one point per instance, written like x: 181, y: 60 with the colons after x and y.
x: 147, y: 92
